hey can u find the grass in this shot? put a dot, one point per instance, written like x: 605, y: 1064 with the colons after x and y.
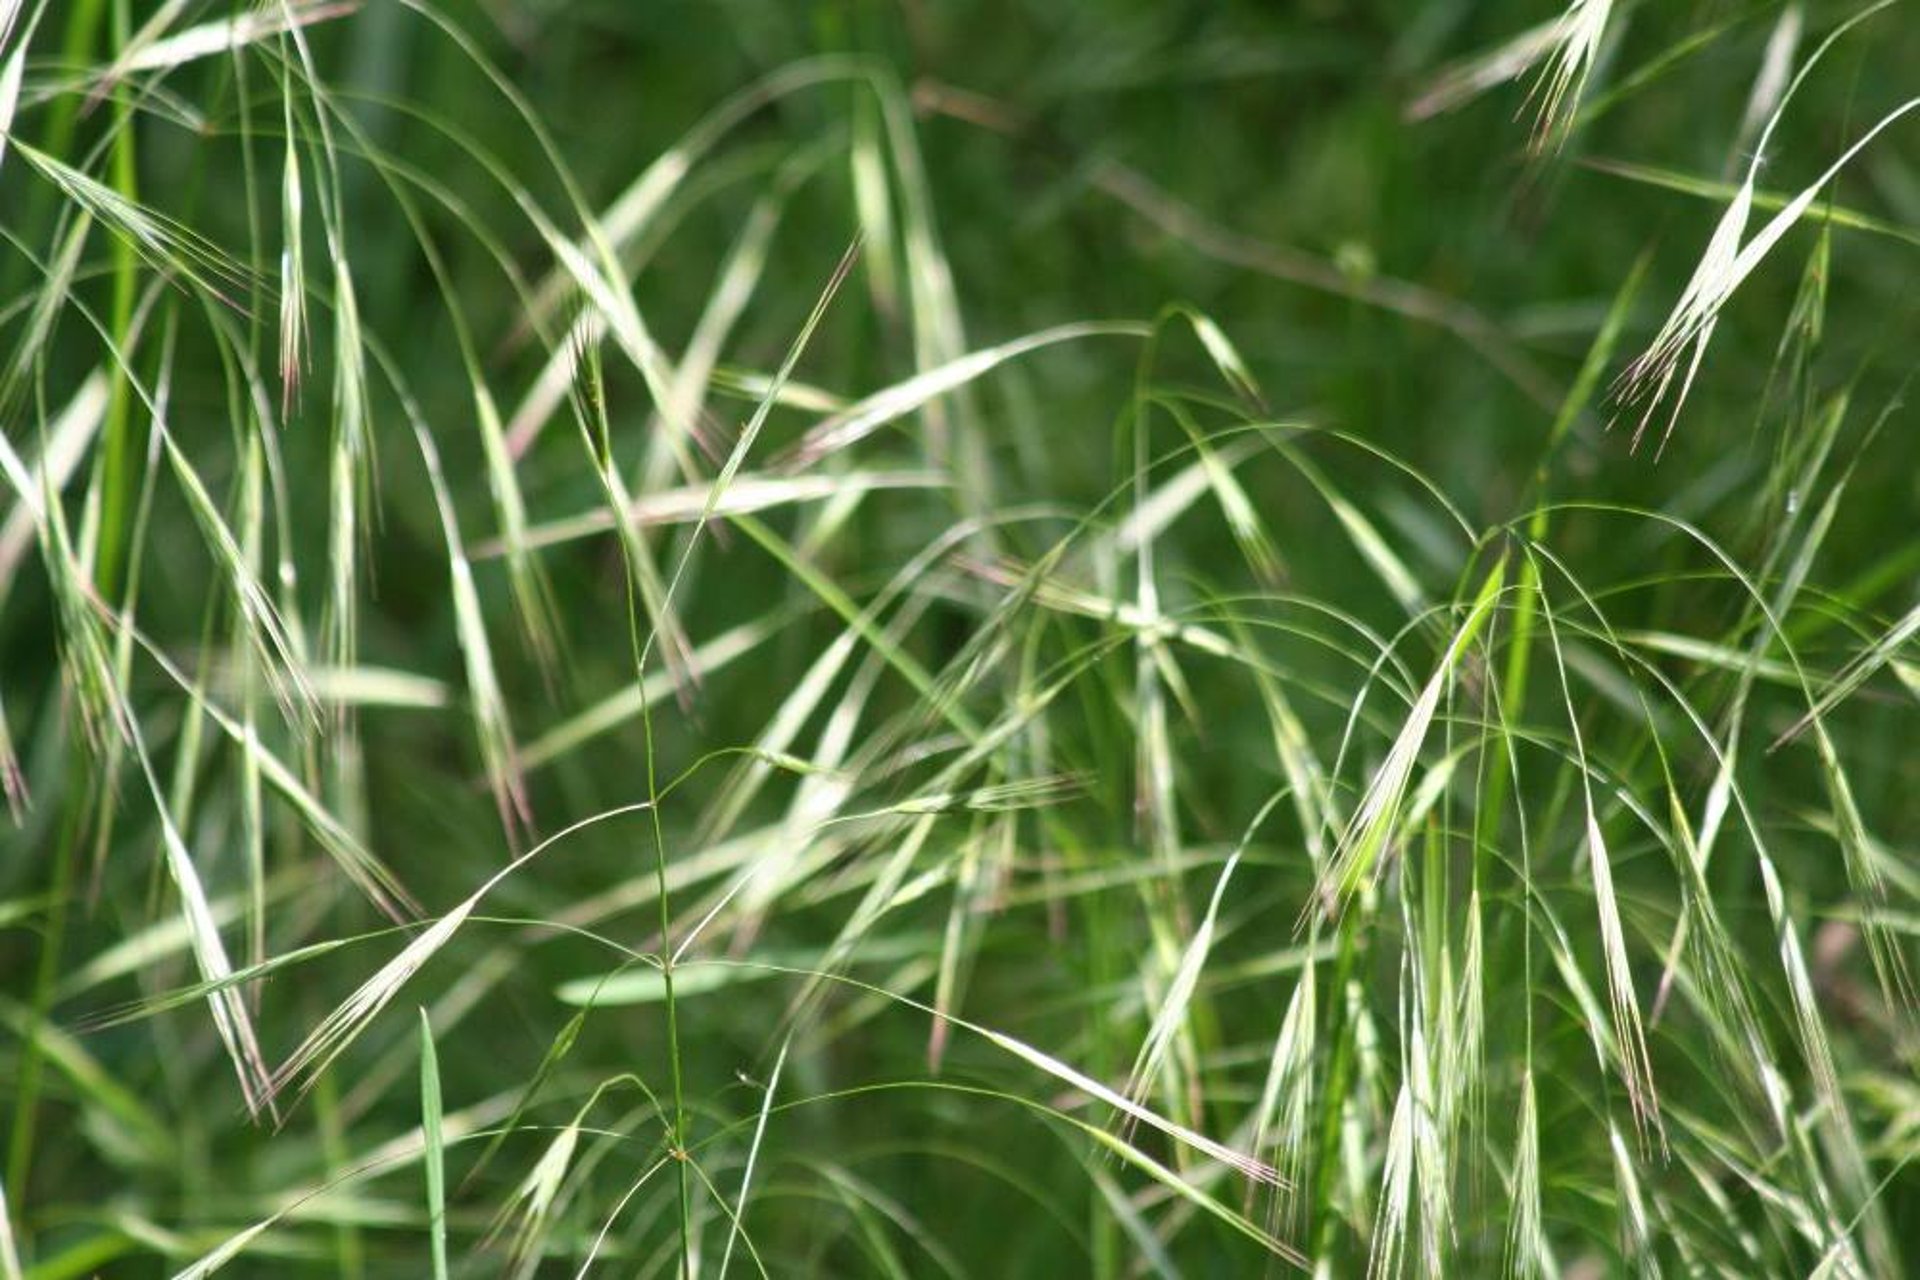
x: 984, y: 639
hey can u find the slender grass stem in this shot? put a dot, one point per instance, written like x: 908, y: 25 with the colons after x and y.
x: 122, y: 440
x: 46, y: 976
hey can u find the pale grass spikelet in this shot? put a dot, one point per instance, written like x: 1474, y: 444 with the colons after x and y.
x: 1377, y: 818
x: 1245, y: 1165
x: 1569, y: 54
x: 230, y: 1015
x: 493, y: 728
x: 1171, y: 1017
x: 169, y: 247
x: 1630, y: 1039
x: 338, y: 1030
x: 9, y: 1251
x: 1628, y: 1042
x: 151, y: 48
x: 1283, y: 1119
x: 532, y: 1201
x: 10, y: 75
x: 1473, y: 76
x: 1386, y: 1255
x: 350, y: 478
x: 684, y: 504
x: 341, y: 1027
x: 1723, y: 267
x: 1689, y: 327
x: 233, y: 1022
x: 1636, y: 1225
x: 890, y: 404
x: 1882, y: 653
x: 225, y: 1252
x: 1776, y: 71
x: 1418, y: 1060
x: 1527, y: 1253
x: 277, y: 646
x: 293, y: 279
x: 225, y: 35
x: 1463, y: 1059
x: 1681, y: 342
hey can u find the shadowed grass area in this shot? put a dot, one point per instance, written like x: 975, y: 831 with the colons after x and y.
x: 971, y: 639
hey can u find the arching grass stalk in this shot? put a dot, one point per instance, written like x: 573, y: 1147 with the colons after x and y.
x: 82, y: 31
x: 122, y: 450
x: 678, y: 1138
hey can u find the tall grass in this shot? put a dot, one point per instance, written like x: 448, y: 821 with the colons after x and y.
x: 980, y: 640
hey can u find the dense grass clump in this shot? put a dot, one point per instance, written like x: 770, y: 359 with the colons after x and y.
x: 985, y: 638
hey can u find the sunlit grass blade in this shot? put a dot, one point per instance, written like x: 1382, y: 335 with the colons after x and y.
x: 1171, y: 1016
x: 167, y: 246
x: 1376, y: 819
x: 366, y: 871
x: 435, y: 1147
x: 293, y: 279
x: 337, y: 1031
x: 281, y: 660
x: 1472, y: 76
x: 1766, y: 200
x: 493, y: 730
x: 625, y: 706
x: 9, y: 1250
x: 1730, y: 257
x: 1629, y: 1033
x: 753, y: 1154
x: 1882, y: 653
x: 230, y: 1014
x: 154, y: 50
x: 683, y: 504
x: 861, y: 420
x: 11, y: 72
